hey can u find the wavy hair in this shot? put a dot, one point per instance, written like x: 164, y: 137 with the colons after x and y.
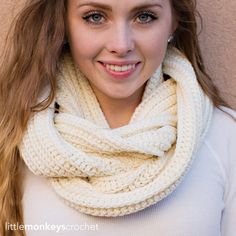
x: 31, y: 60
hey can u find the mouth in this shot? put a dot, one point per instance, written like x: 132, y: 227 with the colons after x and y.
x: 120, y: 70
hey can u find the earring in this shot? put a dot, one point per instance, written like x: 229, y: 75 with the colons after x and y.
x: 170, y: 38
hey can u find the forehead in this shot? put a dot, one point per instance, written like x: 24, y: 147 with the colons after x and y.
x: 119, y: 3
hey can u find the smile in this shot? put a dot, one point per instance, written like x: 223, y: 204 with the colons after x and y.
x: 120, y: 68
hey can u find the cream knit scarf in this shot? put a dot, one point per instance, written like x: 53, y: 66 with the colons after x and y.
x: 114, y: 172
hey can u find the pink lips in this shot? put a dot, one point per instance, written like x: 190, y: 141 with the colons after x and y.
x: 120, y: 75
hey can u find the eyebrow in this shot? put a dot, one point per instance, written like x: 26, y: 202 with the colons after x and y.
x: 107, y: 7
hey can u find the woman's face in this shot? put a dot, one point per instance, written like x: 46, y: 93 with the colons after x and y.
x: 119, y: 44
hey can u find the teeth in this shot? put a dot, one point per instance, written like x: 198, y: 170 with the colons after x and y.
x: 120, y: 68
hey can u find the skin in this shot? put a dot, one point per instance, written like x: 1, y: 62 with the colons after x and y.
x: 120, y: 33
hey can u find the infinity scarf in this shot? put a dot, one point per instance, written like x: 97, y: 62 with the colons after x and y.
x: 113, y: 172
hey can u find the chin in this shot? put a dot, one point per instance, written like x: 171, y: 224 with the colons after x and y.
x: 120, y: 95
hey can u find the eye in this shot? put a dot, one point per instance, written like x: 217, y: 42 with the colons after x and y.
x: 146, y: 17
x: 94, y: 17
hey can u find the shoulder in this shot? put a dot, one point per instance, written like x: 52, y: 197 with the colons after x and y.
x: 223, y: 124
x: 221, y: 137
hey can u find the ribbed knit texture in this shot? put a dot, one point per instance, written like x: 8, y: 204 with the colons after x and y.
x: 113, y: 172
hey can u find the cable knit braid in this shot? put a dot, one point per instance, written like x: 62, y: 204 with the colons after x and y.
x: 114, y: 172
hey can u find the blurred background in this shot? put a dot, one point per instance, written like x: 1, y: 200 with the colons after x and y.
x: 217, y: 40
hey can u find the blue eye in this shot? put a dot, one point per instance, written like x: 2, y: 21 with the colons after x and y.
x: 146, y: 17
x: 94, y: 18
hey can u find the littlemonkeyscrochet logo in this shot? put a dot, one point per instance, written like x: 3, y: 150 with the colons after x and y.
x: 51, y: 227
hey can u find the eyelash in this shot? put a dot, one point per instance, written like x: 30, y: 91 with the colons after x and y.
x: 87, y: 17
x: 149, y: 14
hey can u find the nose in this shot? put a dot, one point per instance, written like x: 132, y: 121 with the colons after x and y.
x: 120, y: 41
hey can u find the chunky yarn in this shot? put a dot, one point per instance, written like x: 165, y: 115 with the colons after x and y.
x: 113, y: 172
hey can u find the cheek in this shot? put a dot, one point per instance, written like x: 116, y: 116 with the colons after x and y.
x: 153, y: 49
x: 83, y: 45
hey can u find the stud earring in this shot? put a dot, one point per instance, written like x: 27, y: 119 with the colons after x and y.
x: 170, y: 38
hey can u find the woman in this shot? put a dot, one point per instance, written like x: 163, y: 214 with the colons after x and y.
x: 111, y: 122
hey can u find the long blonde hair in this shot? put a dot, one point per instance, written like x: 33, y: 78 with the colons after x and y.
x: 31, y: 59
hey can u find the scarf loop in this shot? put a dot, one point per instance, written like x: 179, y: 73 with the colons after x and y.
x: 113, y: 172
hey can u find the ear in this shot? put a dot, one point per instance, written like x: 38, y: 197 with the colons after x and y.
x: 175, y: 24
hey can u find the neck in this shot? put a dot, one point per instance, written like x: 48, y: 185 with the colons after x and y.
x: 118, y: 111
